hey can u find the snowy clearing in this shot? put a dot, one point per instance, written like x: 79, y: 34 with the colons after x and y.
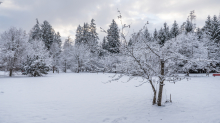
x: 85, y: 98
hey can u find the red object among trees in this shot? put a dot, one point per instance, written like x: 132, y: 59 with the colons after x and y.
x: 216, y: 75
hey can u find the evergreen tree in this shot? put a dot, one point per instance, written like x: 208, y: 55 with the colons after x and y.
x: 35, y: 33
x: 167, y: 32
x: 174, y: 30
x: 147, y: 35
x: 207, y: 27
x: 57, y: 39
x: 104, y: 44
x: 34, y: 67
x: 188, y: 26
x: 86, y: 34
x: 113, y: 38
x: 215, y: 29
x: 94, y: 35
x: 199, y: 34
x: 79, y: 35
x: 47, y: 34
x: 161, y: 37
x: 155, y: 35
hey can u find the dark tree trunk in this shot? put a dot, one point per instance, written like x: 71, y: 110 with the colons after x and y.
x: 53, y: 69
x: 155, y: 93
x: 10, y: 72
x: 161, y: 84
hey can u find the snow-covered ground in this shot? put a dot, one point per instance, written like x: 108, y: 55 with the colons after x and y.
x: 85, y: 98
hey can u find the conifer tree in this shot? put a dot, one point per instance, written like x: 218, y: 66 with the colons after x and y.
x: 188, y: 26
x: 79, y: 35
x: 174, y: 30
x: 35, y: 33
x: 113, y: 38
x: 104, y: 44
x: 47, y: 34
x: 155, y: 36
x: 207, y: 27
x: 161, y: 37
x: 147, y: 35
x: 215, y: 29
x: 94, y: 35
x: 167, y: 32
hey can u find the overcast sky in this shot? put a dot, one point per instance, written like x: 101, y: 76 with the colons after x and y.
x: 66, y: 15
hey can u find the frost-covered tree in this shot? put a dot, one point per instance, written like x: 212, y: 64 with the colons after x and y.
x: 161, y: 37
x: 79, y: 35
x: 214, y: 32
x: 36, y: 33
x: 155, y: 35
x: 113, y: 38
x: 47, y: 34
x: 188, y: 26
x: 94, y: 35
x: 66, y: 54
x: 34, y: 66
x: 55, y: 55
x: 174, y: 30
x: 147, y: 35
x: 13, y: 45
x: 167, y: 32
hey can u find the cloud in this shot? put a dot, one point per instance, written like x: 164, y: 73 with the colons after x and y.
x: 66, y: 15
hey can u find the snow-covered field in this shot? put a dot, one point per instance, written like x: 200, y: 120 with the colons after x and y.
x: 85, y: 98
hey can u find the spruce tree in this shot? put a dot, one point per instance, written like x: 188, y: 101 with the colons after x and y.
x: 174, y: 30
x: 113, y: 38
x: 207, y: 27
x: 147, y: 35
x: 161, y: 37
x: 79, y: 35
x: 215, y: 29
x: 155, y: 35
x: 47, y: 34
x: 104, y: 44
x: 188, y: 26
x: 35, y: 33
x: 167, y: 32
x: 34, y: 66
x: 94, y: 35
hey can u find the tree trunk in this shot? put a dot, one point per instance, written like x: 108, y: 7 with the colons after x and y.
x: 53, y: 69
x: 10, y: 72
x: 161, y: 84
x: 155, y: 93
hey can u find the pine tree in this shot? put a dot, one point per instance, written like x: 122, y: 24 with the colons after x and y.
x: 57, y: 39
x: 147, y: 35
x: 86, y: 34
x: 34, y: 67
x: 104, y: 44
x: 155, y: 35
x: 79, y: 35
x: 161, y: 37
x: 66, y: 54
x: 94, y: 35
x: 188, y: 26
x: 174, y: 30
x: 215, y: 29
x: 113, y: 38
x: 47, y: 34
x: 167, y: 32
x: 199, y: 34
x: 35, y: 33
x: 207, y: 27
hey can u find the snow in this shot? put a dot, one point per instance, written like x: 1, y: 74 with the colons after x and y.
x: 86, y: 98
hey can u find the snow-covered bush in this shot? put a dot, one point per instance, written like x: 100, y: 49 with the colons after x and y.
x: 35, y: 66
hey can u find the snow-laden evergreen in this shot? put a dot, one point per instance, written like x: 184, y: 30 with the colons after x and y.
x: 174, y: 32
x: 47, y: 34
x: 113, y: 38
x: 36, y: 33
